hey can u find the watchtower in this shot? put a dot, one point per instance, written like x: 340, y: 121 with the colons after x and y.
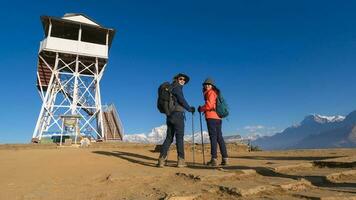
x: 71, y: 62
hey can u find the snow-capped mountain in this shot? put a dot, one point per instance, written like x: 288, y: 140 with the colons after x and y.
x: 233, y: 138
x: 341, y: 134
x: 315, y: 118
x: 252, y: 137
x: 336, y: 118
x: 158, y: 134
x: 135, y: 138
x: 315, y: 131
x: 197, y: 137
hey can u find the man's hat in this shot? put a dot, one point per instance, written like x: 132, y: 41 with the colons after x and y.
x: 182, y: 75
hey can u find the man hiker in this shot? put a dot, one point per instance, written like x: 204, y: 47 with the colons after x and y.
x: 175, y: 121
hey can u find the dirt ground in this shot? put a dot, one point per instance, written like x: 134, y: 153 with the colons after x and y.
x: 128, y: 171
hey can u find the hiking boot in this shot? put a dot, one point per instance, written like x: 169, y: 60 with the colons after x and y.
x: 161, y: 162
x: 213, y: 162
x: 225, y: 161
x: 181, y: 163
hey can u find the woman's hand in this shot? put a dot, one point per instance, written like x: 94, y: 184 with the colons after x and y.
x: 200, y: 109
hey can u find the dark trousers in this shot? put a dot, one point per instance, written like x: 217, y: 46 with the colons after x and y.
x: 175, y: 127
x: 215, y: 134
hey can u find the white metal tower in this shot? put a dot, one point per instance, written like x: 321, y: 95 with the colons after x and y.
x: 71, y: 62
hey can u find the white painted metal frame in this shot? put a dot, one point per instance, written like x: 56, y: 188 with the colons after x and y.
x: 70, y: 91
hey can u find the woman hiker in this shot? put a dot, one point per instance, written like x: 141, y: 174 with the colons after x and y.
x: 175, y: 122
x: 214, y: 122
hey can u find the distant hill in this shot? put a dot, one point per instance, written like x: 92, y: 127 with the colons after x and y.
x: 315, y: 131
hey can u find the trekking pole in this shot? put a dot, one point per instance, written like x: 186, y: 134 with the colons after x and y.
x: 202, y: 139
x: 193, y: 138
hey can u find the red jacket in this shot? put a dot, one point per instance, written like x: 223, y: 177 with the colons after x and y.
x: 210, y: 104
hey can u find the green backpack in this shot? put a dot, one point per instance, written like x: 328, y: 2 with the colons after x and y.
x: 222, y: 109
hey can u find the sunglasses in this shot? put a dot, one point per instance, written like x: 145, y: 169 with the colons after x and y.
x: 181, y: 79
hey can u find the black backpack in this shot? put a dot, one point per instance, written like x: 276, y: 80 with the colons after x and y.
x: 165, y: 101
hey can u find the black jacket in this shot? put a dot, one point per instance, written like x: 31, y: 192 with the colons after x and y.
x: 177, y: 91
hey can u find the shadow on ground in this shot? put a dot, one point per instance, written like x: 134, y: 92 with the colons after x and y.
x: 131, y: 157
x: 147, y: 160
x: 286, y: 157
x: 319, y: 181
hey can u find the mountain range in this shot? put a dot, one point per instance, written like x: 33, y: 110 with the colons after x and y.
x: 158, y: 134
x: 315, y: 131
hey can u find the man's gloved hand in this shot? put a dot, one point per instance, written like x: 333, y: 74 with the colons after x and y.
x: 192, y: 109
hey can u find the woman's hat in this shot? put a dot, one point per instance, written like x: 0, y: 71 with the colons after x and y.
x: 209, y: 81
x: 182, y: 75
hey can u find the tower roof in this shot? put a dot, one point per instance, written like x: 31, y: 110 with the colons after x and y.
x: 81, y: 18
x: 77, y: 19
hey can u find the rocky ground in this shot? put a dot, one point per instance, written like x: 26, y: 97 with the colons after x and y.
x: 127, y: 171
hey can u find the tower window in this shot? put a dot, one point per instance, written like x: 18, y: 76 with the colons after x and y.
x: 93, y: 35
x: 65, y: 30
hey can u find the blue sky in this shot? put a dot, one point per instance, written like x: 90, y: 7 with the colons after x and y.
x: 275, y: 61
